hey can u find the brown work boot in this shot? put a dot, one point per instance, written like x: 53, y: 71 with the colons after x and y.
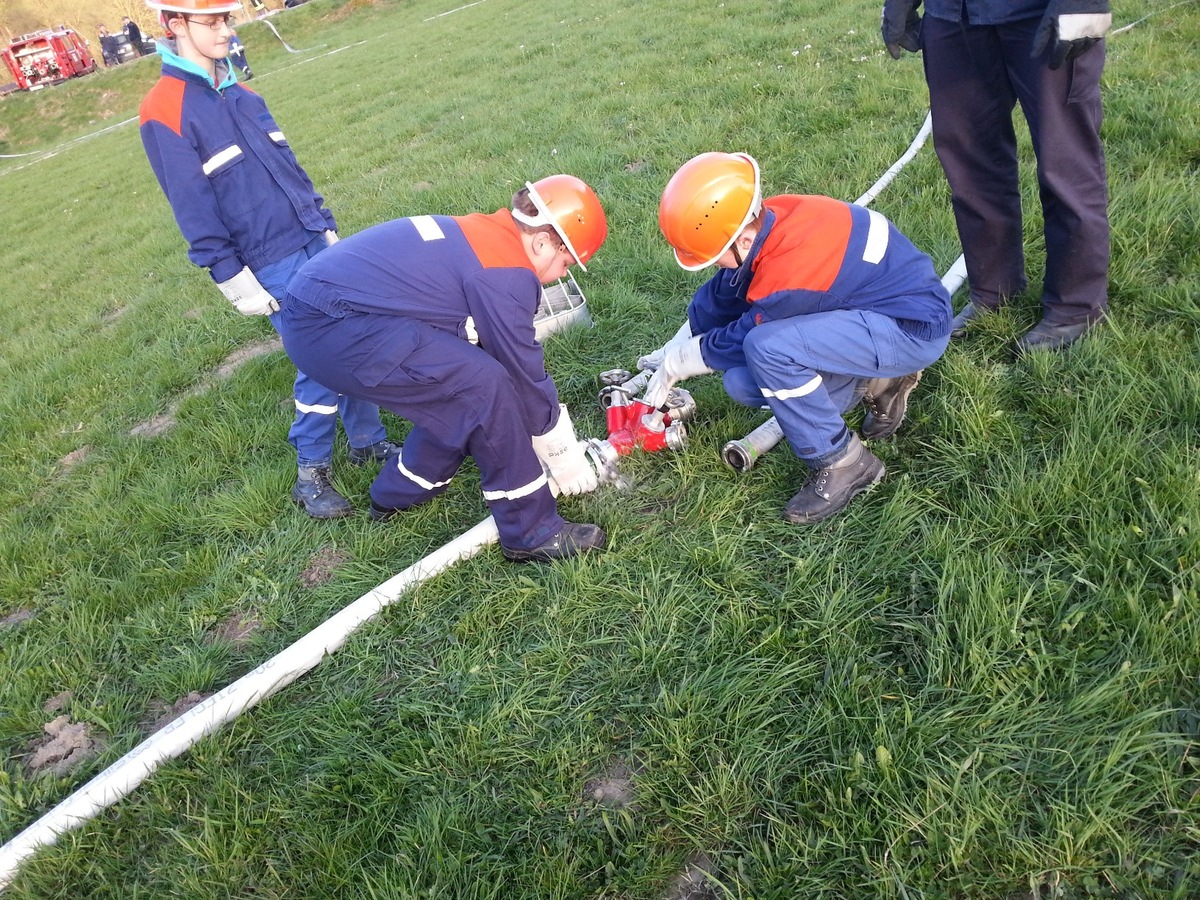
x: 886, y: 400
x: 829, y: 490
x: 575, y: 538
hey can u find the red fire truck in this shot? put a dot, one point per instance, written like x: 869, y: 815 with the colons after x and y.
x: 47, y: 57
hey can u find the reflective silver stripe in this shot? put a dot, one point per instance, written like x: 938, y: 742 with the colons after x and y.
x: 792, y: 393
x: 469, y: 328
x: 428, y: 228
x: 277, y: 137
x: 517, y: 493
x: 323, y: 410
x: 215, y: 162
x: 417, y: 479
x: 877, y: 238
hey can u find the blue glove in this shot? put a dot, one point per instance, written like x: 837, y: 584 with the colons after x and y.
x: 1069, y: 28
x: 901, y: 26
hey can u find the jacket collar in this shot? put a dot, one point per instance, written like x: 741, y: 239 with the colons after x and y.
x: 165, y: 47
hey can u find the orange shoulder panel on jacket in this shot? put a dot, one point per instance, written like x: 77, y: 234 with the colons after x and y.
x: 164, y: 104
x: 495, y: 240
x: 806, y: 246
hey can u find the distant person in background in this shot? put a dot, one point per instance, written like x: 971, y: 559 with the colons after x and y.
x: 108, y: 49
x: 981, y: 58
x: 133, y: 33
x: 237, y: 53
x: 250, y: 215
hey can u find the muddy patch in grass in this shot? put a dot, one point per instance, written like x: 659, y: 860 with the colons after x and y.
x: 58, y: 702
x: 237, y: 628
x: 696, y: 881
x: 64, y: 746
x: 16, y: 617
x: 614, y: 788
x: 74, y: 458
x: 321, y: 566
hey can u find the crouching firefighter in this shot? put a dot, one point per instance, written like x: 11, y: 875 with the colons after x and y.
x: 431, y: 317
x: 817, y: 305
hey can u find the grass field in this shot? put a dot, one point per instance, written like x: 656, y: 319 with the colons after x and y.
x: 978, y: 682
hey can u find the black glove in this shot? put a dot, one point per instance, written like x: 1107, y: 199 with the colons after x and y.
x: 1070, y: 27
x: 901, y: 26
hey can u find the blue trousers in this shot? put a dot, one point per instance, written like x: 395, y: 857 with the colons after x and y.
x: 811, y: 369
x: 462, y: 402
x: 976, y: 75
x: 317, y: 407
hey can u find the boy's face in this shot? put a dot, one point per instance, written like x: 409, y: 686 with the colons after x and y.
x: 551, y: 259
x: 742, y: 244
x: 207, y: 36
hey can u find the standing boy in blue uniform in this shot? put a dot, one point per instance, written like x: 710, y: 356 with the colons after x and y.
x: 817, y: 304
x: 432, y: 318
x: 250, y: 216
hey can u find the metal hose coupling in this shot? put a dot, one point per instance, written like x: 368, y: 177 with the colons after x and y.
x: 604, y: 459
x: 743, y: 454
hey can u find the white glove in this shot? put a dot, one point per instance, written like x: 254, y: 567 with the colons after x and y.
x: 1069, y: 28
x: 679, y: 362
x: 563, y: 456
x: 331, y: 237
x: 653, y: 360
x: 245, y: 293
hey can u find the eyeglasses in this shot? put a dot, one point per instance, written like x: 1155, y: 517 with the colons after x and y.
x: 216, y: 25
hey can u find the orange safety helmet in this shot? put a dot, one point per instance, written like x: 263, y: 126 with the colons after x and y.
x: 197, y: 7
x: 706, y: 204
x: 573, y: 208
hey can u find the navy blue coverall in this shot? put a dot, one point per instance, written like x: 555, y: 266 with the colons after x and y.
x: 431, y: 317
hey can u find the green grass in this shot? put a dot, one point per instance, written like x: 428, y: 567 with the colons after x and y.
x: 980, y: 681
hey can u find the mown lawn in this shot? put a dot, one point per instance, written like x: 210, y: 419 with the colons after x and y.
x: 978, y: 682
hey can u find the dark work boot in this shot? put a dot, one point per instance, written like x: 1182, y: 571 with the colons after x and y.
x: 886, y: 400
x: 968, y: 314
x: 575, y: 538
x: 318, y: 496
x: 1050, y: 336
x: 829, y: 490
x: 381, y: 513
x: 380, y: 450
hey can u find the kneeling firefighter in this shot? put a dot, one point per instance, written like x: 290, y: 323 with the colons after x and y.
x: 431, y: 317
x: 817, y: 305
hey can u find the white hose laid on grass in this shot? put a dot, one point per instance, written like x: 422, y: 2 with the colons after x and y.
x: 134, y: 767
x: 885, y: 179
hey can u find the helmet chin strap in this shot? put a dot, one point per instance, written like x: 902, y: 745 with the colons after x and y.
x: 531, y: 221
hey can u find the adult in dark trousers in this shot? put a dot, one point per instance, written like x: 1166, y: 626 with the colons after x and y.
x: 250, y: 215
x: 108, y: 49
x: 981, y: 58
x: 817, y: 304
x: 432, y: 318
x: 133, y: 32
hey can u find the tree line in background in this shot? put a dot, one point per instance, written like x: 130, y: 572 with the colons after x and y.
x: 19, y: 17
